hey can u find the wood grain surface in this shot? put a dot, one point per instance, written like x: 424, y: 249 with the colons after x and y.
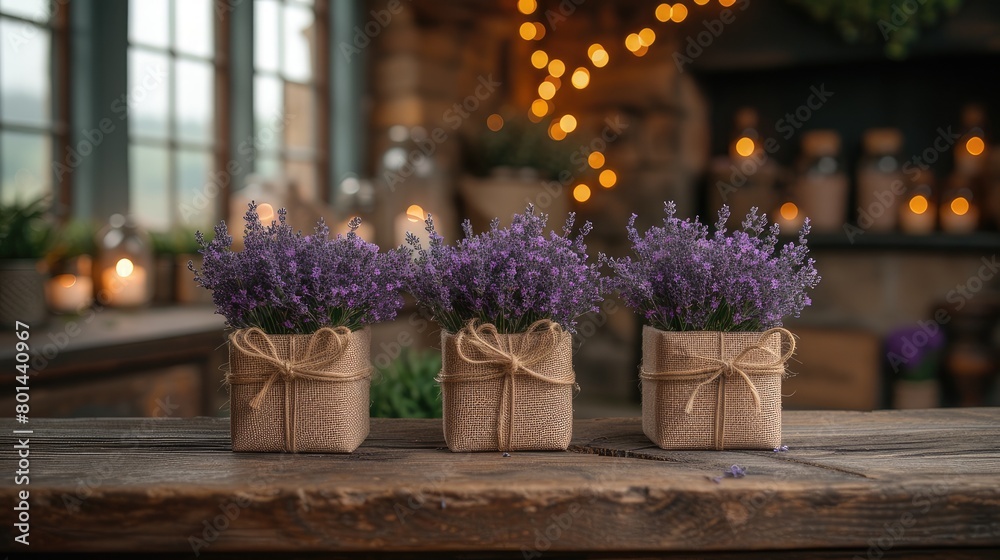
x: 887, y: 484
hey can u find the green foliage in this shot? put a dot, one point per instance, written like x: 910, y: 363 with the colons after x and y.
x: 880, y: 20
x: 179, y: 241
x: 407, y: 389
x: 25, y: 232
x: 74, y: 239
x: 518, y: 144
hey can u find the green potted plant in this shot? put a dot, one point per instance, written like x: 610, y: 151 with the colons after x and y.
x: 173, y: 250
x: 406, y: 387
x: 24, y: 238
x: 509, y: 168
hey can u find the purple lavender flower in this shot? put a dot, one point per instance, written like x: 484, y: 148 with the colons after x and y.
x: 510, y: 277
x: 284, y: 282
x: 683, y: 278
x: 734, y: 471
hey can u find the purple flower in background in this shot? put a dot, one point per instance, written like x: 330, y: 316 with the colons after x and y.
x: 284, y: 282
x: 510, y: 277
x: 683, y: 278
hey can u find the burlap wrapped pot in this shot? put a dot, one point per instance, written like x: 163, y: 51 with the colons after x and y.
x: 507, y: 392
x: 299, y: 393
x: 713, y: 390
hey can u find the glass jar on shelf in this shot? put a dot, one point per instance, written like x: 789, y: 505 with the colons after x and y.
x: 880, y: 180
x: 918, y: 212
x: 746, y: 177
x: 959, y: 212
x: 820, y: 188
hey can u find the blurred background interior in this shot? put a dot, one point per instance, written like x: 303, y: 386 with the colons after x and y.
x: 127, y: 125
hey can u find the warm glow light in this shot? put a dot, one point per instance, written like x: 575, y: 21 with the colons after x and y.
x: 66, y: 280
x: 679, y: 13
x: 124, y: 268
x: 556, y: 132
x: 265, y: 212
x: 960, y: 206
x: 567, y: 123
x: 596, y: 160
x: 546, y: 90
x: 600, y: 58
x: 527, y: 6
x: 494, y: 122
x: 581, y: 77
x: 593, y: 49
x: 641, y: 50
x: 646, y: 37
x: 701, y: 2
x: 557, y: 68
x: 415, y: 213
x: 581, y: 193
x: 744, y: 146
x: 608, y: 178
x: 528, y: 31
x: 539, y: 30
x: 975, y: 145
x: 632, y: 42
x: 539, y: 108
x: 539, y: 59
x: 789, y: 211
x: 727, y: 3
x: 918, y: 204
x: 663, y: 12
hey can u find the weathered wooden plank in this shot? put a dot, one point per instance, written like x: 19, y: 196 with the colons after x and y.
x: 851, y: 481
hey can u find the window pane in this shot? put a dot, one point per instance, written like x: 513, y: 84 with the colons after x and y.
x: 24, y: 162
x: 24, y: 73
x: 148, y: 79
x: 299, y: 33
x: 267, y: 112
x: 302, y: 176
x: 35, y: 10
x: 193, y: 32
x: 265, y: 31
x: 300, y: 113
x: 195, y: 103
x: 197, y: 209
x: 149, y: 200
x: 268, y: 166
x: 149, y: 22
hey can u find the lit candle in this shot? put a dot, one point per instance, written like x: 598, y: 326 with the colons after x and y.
x: 412, y: 221
x: 69, y: 293
x: 125, y: 284
x: 959, y: 216
x: 789, y: 218
x: 917, y: 215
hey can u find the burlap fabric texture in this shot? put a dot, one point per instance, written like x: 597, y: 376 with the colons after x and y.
x: 299, y: 393
x: 507, y: 392
x: 713, y: 390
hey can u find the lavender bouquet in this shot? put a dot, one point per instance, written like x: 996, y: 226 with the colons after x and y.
x: 284, y: 282
x: 507, y: 300
x: 685, y: 279
x: 509, y: 277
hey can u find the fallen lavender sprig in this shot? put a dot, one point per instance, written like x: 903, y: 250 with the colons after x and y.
x: 734, y: 471
x: 284, y: 282
x: 781, y: 449
x: 510, y: 277
x: 683, y: 278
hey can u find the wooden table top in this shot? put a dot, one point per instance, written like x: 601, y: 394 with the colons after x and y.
x: 861, y: 483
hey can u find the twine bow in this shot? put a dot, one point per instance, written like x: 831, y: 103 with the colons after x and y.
x: 738, y: 368
x: 506, y: 357
x: 318, y: 362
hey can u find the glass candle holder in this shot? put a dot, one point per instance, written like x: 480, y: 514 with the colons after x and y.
x: 123, y: 271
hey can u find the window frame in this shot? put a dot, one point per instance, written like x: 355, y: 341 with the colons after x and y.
x: 58, y: 129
